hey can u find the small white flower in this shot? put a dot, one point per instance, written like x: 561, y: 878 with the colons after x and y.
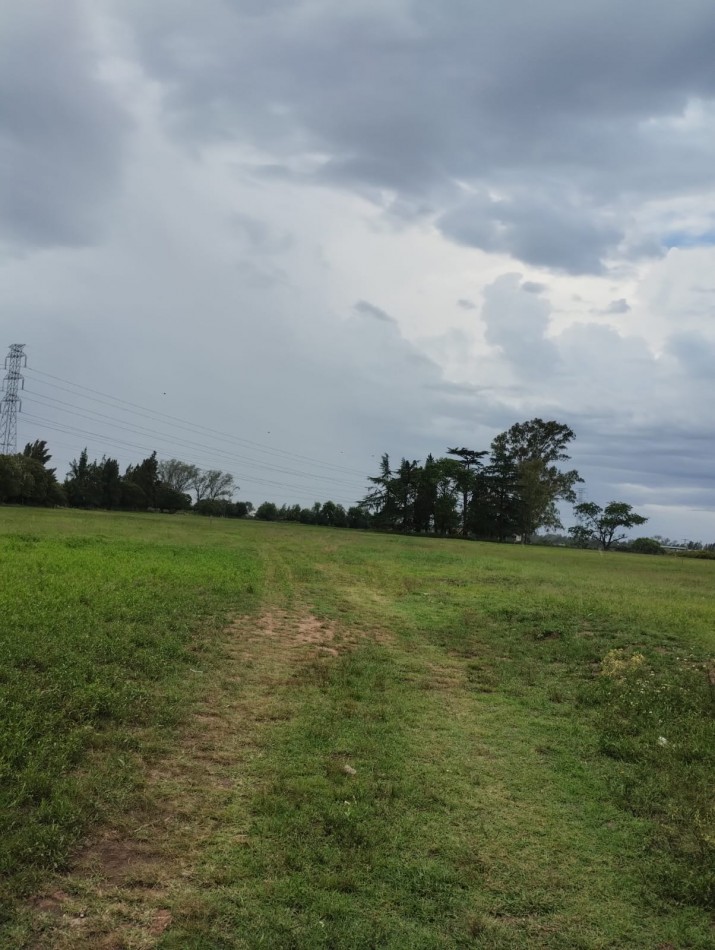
x: 662, y: 740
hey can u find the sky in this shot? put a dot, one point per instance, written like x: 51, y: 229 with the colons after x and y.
x: 282, y: 237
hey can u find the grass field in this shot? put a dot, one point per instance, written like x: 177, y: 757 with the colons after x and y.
x: 222, y: 734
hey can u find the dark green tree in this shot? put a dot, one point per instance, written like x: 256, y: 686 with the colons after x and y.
x: 646, y: 546
x: 169, y: 499
x: 38, y: 450
x: 470, y: 461
x: 145, y: 476
x: 601, y: 525
x: 495, y: 509
x: 404, y: 488
x: 267, y: 511
x: 357, y: 517
x: 83, y: 485
x: 24, y: 480
x: 380, y: 501
x: 10, y: 478
x: 426, y: 495
x: 111, y: 483
x: 535, y: 448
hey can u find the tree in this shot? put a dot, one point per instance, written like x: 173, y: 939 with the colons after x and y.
x: 132, y: 497
x: 220, y: 508
x: 446, y: 515
x: 38, y: 450
x: 646, y: 546
x: 307, y: 516
x: 495, y: 508
x: 267, y: 511
x: 24, y: 480
x: 601, y: 524
x: 470, y: 461
x: 83, y: 484
x: 212, y: 484
x: 145, y: 476
x: 10, y: 477
x: 111, y: 483
x: 380, y: 500
x: 169, y: 499
x: 356, y: 517
x: 177, y: 474
x: 404, y: 490
x: 426, y: 495
x: 534, y: 448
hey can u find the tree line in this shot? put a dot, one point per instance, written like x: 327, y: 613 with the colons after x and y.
x: 150, y: 485
x: 507, y: 492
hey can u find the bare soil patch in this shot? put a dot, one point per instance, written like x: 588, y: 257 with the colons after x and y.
x: 126, y: 885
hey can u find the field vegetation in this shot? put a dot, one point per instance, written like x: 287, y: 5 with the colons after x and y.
x: 221, y: 733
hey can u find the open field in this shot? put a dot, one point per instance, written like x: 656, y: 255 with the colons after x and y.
x: 225, y: 734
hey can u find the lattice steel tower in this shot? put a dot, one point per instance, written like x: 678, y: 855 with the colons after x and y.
x: 10, y: 404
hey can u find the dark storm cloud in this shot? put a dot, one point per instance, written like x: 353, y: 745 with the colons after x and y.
x: 555, y: 107
x: 61, y: 130
x: 678, y: 462
x: 537, y: 229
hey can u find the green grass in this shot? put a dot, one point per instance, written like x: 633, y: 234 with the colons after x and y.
x: 531, y: 732
x: 96, y: 628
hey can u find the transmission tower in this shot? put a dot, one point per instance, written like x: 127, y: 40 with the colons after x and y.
x: 10, y: 404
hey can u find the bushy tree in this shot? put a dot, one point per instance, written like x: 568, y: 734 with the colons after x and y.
x: 169, y: 499
x: 357, y: 517
x: 24, y: 480
x: 533, y: 449
x: 212, y: 484
x: 221, y: 508
x: 39, y: 451
x: 646, y: 546
x: 145, y: 476
x: 177, y: 474
x: 111, y: 483
x: 268, y: 511
x: 496, y: 504
x: 601, y: 525
x: 83, y: 485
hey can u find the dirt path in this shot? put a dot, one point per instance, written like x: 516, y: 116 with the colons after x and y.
x: 127, y: 883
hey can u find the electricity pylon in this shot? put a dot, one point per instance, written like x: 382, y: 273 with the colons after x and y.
x: 10, y: 405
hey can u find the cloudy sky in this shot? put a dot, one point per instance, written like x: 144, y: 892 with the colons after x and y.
x: 280, y: 237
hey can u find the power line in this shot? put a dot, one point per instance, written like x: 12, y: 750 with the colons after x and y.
x: 94, y: 416
x: 134, y: 408
x: 278, y: 464
x: 300, y: 491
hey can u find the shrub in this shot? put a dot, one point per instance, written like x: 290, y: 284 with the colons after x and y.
x: 646, y: 546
